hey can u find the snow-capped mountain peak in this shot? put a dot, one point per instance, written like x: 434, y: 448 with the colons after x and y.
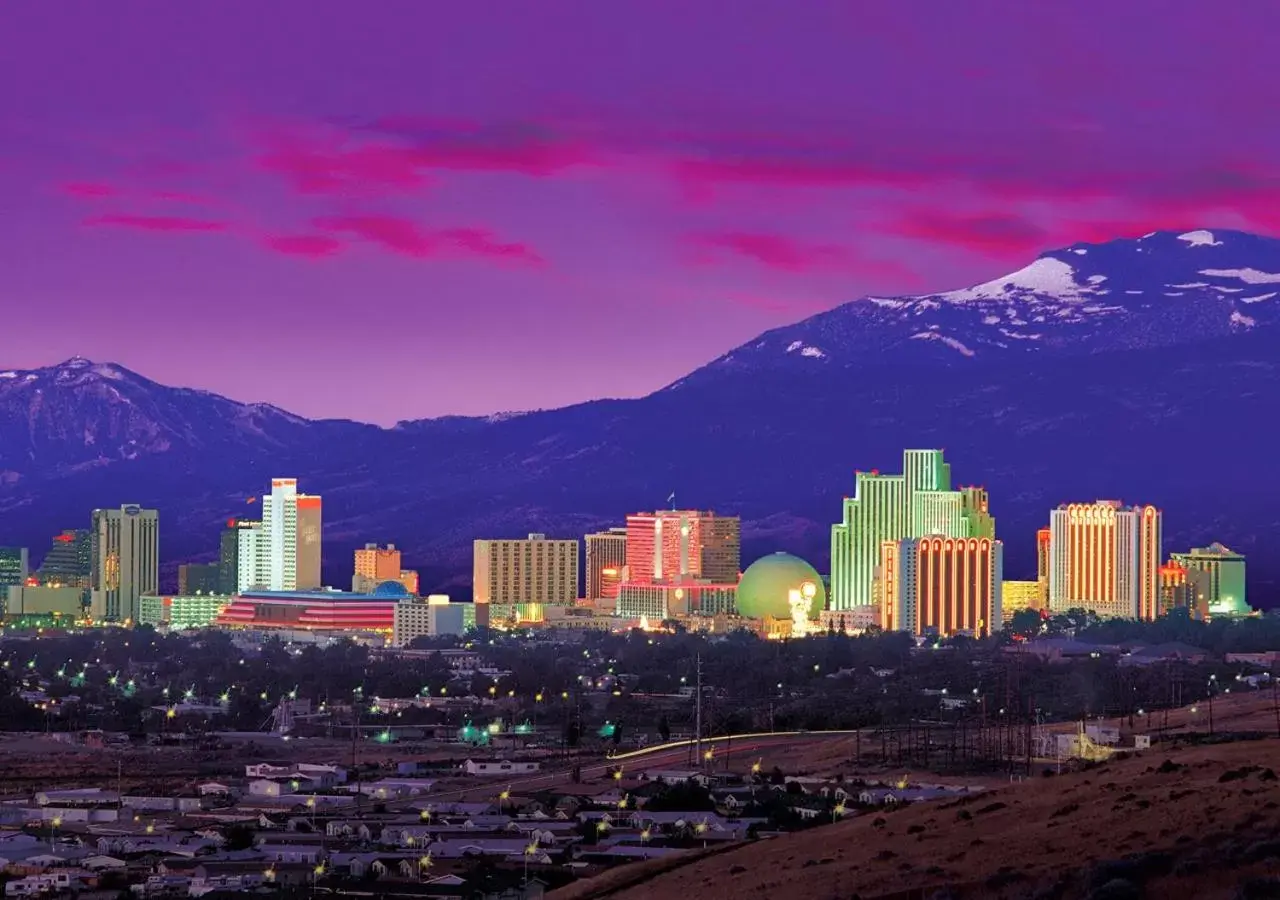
x: 1160, y: 289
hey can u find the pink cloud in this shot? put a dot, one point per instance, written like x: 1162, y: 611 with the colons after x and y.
x: 482, y: 242
x: 312, y: 246
x: 88, y: 190
x: 398, y: 155
x: 406, y: 238
x: 784, y: 254
x: 156, y: 223
x: 1000, y: 235
x: 326, y: 167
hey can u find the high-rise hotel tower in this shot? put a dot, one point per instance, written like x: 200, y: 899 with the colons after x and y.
x: 917, y: 503
x: 1105, y: 557
x: 289, y: 547
x: 125, y: 561
x: 941, y: 585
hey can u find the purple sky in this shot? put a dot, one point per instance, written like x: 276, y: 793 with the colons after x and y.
x: 412, y: 208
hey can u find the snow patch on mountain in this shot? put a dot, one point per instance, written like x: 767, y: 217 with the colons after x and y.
x: 813, y: 352
x: 1248, y: 276
x: 1192, y: 285
x: 949, y: 341
x: 1257, y: 299
x: 1197, y: 238
x: 1046, y: 277
x: 1239, y: 318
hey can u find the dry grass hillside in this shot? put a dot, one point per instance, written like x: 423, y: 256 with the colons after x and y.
x: 1178, y: 821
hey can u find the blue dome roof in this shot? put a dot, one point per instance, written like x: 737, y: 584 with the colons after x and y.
x: 390, y: 589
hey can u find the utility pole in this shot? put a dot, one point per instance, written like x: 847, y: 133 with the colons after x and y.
x: 697, y: 714
x: 1275, y: 702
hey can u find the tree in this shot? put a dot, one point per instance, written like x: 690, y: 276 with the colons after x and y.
x: 1026, y: 622
x: 664, y: 729
x: 239, y: 837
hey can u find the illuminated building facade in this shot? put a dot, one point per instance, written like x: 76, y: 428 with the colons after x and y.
x: 1183, y: 588
x: 69, y: 562
x: 125, y: 561
x: 14, y: 568
x: 875, y: 514
x: 229, y: 555
x: 512, y: 579
x: 1224, y: 581
x: 291, y: 538
x: 1016, y: 596
x: 1105, y: 557
x: 672, y: 546
x: 432, y: 616
x: 328, y: 611
x: 181, y: 611
x: 942, y: 586
x: 657, y: 602
x: 25, y: 601
x: 849, y: 621
x: 375, y: 565
x: 252, y: 556
x: 606, y: 558
x: 917, y: 503
x: 1044, y: 541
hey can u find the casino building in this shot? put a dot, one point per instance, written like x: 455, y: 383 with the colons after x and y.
x: 337, y: 611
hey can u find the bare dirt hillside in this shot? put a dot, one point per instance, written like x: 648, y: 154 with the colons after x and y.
x: 1178, y: 821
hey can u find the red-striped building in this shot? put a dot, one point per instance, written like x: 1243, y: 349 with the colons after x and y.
x: 941, y: 585
x: 312, y: 611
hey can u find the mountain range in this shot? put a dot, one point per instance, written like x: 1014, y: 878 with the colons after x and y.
x: 1141, y: 369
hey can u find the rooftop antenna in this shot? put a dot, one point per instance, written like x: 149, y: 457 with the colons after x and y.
x: 672, y: 500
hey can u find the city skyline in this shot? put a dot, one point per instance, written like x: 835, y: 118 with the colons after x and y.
x: 910, y: 552
x: 451, y: 184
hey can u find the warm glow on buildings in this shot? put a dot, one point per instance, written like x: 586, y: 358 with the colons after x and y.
x: 1105, y: 557
x: 1181, y: 588
x: 941, y: 585
x: 375, y: 565
x: 512, y: 579
x: 1015, y: 596
x: 606, y: 554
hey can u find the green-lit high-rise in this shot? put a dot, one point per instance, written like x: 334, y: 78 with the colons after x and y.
x: 1224, y: 569
x: 917, y: 503
x: 876, y: 512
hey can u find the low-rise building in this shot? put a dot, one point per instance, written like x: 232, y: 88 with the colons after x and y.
x: 499, y: 767
x: 432, y: 616
x: 181, y: 611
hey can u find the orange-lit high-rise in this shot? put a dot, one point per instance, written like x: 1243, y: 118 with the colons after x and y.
x: 375, y: 565
x: 606, y: 558
x: 1105, y: 557
x: 941, y: 585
